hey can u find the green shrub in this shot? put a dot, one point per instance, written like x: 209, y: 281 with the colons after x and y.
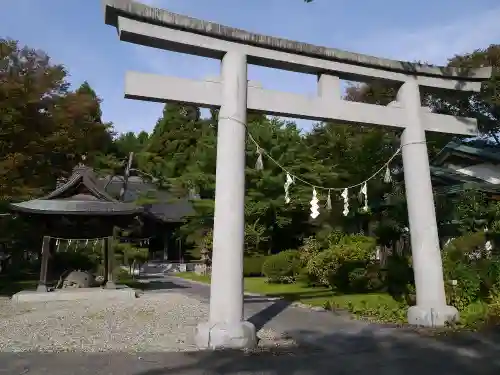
x: 351, y: 252
x: 357, y: 280
x: 69, y: 260
x: 489, y: 272
x: 334, y: 238
x: 461, y: 248
x: 323, y: 265
x: 365, y: 243
x: 357, y: 277
x: 466, y: 261
x: 304, y: 277
x: 310, y: 248
x: 282, y: 267
x: 474, y: 316
x: 374, y: 277
x: 349, y: 277
x: 493, y: 309
x: 399, y: 275
x: 374, y: 307
x: 121, y: 275
x: 252, y: 266
x: 468, y: 283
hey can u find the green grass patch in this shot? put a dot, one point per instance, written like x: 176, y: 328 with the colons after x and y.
x: 194, y: 277
x: 376, y: 306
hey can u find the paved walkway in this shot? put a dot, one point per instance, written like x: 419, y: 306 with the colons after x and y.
x: 328, y: 344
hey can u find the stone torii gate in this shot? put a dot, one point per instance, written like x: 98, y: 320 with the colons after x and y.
x: 153, y: 27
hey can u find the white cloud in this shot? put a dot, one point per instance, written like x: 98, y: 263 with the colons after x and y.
x: 437, y: 43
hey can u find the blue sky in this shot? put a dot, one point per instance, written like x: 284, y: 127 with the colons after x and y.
x: 73, y: 33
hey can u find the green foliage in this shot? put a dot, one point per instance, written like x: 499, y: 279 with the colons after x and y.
x: 46, y: 127
x: 468, y: 284
x: 350, y: 252
x: 79, y: 257
x: 121, y: 275
x: 489, y: 271
x: 130, y: 142
x: 357, y: 279
x: 254, y: 237
x: 464, y: 247
x: 374, y: 307
x: 483, y: 105
x: 309, y: 249
x: 475, y: 272
x: 130, y: 255
x: 323, y: 265
x: 493, y: 309
x: 282, y: 267
x: 252, y: 266
x: 399, y: 278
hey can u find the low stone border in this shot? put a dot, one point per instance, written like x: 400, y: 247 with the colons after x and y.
x: 309, y: 307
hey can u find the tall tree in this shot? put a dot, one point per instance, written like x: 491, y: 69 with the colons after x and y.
x: 172, y: 145
x: 45, y: 126
x: 484, y: 105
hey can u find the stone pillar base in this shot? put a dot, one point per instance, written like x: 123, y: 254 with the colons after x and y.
x: 432, y: 316
x: 42, y: 288
x: 226, y: 336
x: 110, y: 285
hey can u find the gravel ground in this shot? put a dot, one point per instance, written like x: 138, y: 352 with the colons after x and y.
x: 152, y: 323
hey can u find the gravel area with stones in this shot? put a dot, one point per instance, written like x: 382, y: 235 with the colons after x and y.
x: 152, y: 323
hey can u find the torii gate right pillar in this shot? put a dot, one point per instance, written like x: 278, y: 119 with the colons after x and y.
x: 431, y: 308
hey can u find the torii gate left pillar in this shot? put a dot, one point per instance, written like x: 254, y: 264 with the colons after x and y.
x: 226, y: 326
x: 153, y: 27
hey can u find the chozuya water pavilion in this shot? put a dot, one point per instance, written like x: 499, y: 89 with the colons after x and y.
x: 153, y: 27
x: 77, y: 209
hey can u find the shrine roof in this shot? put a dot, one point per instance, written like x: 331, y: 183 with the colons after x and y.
x: 137, y: 11
x: 79, y: 195
x: 166, y: 207
x: 474, y: 149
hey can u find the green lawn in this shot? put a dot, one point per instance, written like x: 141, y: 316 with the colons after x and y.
x: 380, y: 306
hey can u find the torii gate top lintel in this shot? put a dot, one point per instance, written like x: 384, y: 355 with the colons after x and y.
x: 275, y: 52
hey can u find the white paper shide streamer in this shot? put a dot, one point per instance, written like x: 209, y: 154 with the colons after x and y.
x: 259, y: 164
x: 289, y: 181
x: 314, y: 205
x: 364, y: 195
x: 387, y: 176
x: 345, y: 195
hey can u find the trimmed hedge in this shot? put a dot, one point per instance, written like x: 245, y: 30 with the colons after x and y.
x: 252, y: 266
x: 282, y: 267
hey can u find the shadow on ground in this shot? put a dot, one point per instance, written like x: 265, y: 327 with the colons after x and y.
x: 351, y: 354
x: 365, y: 351
x: 268, y: 313
x: 296, y: 296
x: 155, y: 285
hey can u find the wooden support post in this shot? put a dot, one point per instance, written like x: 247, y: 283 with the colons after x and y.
x: 44, y: 268
x: 109, y: 259
x: 106, y: 261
